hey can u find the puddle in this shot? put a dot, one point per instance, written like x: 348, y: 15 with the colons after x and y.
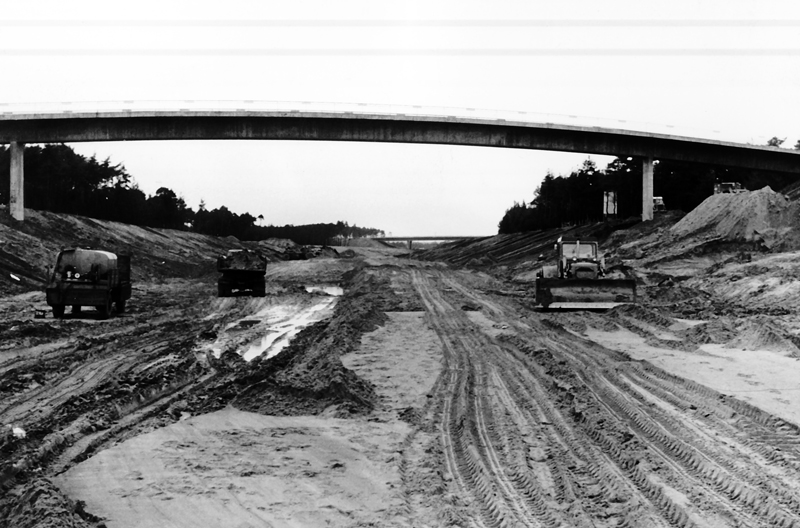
x: 280, y: 334
x: 281, y: 323
x: 336, y: 291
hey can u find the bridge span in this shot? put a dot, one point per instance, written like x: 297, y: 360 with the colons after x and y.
x: 411, y: 239
x: 129, y: 122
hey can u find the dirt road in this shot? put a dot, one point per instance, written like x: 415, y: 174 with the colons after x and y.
x: 424, y: 396
x: 543, y: 427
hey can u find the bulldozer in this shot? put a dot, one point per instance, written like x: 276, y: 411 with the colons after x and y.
x: 579, y: 281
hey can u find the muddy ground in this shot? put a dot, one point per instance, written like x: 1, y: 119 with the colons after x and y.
x: 431, y: 393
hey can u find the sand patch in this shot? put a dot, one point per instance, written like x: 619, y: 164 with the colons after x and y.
x: 402, y: 359
x: 238, y: 469
x: 768, y: 380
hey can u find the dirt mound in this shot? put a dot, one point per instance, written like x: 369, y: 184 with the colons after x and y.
x: 278, y: 242
x: 278, y: 246
x: 242, y: 260
x: 39, y: 504
x: 641, y: 313
x: 760, y: 334
x: 308, y: 377
x: 323, y: 251
x: 716, y: 331
x: 670, y: 291
x: 762, y: 216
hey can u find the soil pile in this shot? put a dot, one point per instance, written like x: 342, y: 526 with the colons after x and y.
x: 278, y: 243
x: 763, y: 216
x: 760, y: 334
x: 242, y: 260
x: 41, y: 504
x: 716, y: 331
x: 307, y: 377
x: 279, y: 248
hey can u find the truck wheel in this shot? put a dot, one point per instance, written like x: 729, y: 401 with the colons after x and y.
x: 222, y: 291
x: 76, y: 308
x: 105, y: 309
x: 120, y: 306
x: 58, y: 311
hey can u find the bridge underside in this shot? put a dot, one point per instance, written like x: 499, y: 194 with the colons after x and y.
x: 122, y: 126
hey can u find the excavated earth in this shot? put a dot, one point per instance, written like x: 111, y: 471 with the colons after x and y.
x: 431, y: 393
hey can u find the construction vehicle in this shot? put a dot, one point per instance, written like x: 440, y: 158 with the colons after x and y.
x: 729, y: 187
x: 242, y: 270
x: 578, y: 279
x: 658, y: 204
x: 89, y: 277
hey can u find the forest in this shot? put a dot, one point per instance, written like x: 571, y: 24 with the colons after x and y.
x: 59, y: 180
x: 578, y: 198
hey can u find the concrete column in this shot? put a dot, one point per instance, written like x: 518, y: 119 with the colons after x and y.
x: 647, y: 189
x: 16, y: 202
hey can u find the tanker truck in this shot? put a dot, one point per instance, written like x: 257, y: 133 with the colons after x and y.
x: 89, y: 277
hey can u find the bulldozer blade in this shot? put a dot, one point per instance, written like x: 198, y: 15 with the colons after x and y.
x: 584, y: 293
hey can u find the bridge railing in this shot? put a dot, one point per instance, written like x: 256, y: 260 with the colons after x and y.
x: 16, y: 110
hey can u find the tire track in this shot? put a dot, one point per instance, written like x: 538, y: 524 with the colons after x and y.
x: 466, y: 439
x: 550, y: 429
x: 506, y: 489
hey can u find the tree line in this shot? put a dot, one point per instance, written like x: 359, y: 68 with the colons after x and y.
x: 59, y: 180
x: 578, y: 198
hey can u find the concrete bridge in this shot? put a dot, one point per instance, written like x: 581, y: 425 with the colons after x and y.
x: 411, y: 239
x: 127, y: 121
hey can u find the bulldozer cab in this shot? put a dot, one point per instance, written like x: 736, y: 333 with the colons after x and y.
x: 579, y: 250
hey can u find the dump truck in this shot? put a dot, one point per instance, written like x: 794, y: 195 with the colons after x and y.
x: 89, y: 277
x: 578, y: 279
x: 243, y: 270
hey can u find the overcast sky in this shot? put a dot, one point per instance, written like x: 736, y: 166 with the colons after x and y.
x: 721, y: 69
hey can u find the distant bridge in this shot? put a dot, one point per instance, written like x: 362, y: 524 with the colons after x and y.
x: 411, y: 239
x: 146, y: 121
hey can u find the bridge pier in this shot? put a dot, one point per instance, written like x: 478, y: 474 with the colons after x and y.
x: 647, y: 189
x: 16, y: 202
